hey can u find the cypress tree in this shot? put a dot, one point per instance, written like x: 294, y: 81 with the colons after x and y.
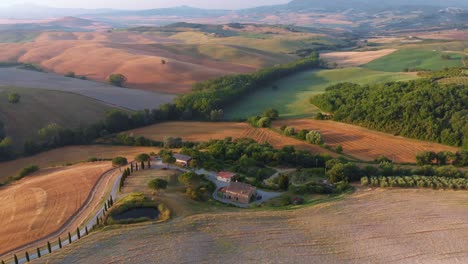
x: 86, y: 230
x: 97, y: 220
x: 3, y: 262
x: 142, y: 165
x: 60, y: 242
x: 78, y: 232
x: 49, y: 247
x: 27, y: 257
x: 16, y: 259
x: 69, y: 238
x: 136, y: 166
x: 149, y: 164
x: 38, y: 252
x: 131, y: 167
x: 105, y: 206
x: 111, y: 200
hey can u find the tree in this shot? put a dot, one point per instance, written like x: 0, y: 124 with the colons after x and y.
x: 289, y: 131
x: 273, y: 114
x: 116, y: 121
x: 158, y: 184
x: 216, y: 115
x: 142, y: 157
x: 188, y: 178
x: 117, y: 79
x: 163, y: 62
x: 314, y: 137
x: 425, y: 158
x: 283, y: 181
x: 14, y: 98
x: 119, y: 162
x: 337, y: 173
x: 70, y: 75
x: 264, y: 122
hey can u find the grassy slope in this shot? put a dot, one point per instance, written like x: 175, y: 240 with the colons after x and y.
x: 414, y: 58
x: 38, y: 108
x: 292, y: 97
x: 228, y: 53
x: 283, y: 43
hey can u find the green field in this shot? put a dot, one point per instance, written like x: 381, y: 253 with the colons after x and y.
x: 228, y: 53
x: 455, y: 80
x: 282, y: 43
x: 415, y: 59
x: 291, y: 98
x: 38, y: 108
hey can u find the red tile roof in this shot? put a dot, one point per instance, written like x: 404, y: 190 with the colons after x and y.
x: 226, y: 174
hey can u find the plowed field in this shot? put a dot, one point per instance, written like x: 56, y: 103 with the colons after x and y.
x: 366, y: 144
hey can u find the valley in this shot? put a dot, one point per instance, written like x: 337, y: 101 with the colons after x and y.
x: 325, y: 132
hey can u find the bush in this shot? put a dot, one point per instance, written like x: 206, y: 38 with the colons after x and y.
x: 14, y: 98
x: 158, y: 184
x: 117, y: 79
x: 28, y: 170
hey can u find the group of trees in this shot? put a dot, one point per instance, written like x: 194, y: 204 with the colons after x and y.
x: 434, y: 182
x: 341, y: 170
x: 265, y: 119
x: 197, y: 186
x: 419, y: 109
x: 247, y: 157
x: 311, y: 136
x: 459, y: 159
x: 218, y: 93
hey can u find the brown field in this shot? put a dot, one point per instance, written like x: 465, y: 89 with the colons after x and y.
x: 366, y: 144
x: 370, y: 226
x: 354, y: 58
x: 74, y: 154
x: 445, y: 35
x: 36, y: 206
x: 202, y: 131
x: 132, y: 54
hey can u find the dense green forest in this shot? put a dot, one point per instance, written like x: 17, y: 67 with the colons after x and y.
x: 419, y: 109
x: 216, y: 94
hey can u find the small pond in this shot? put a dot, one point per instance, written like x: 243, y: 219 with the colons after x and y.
x: 149, y: 212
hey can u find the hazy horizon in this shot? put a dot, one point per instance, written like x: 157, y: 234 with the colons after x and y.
x: 145, y: 4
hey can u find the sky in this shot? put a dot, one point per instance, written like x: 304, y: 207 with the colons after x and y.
x: 146, y: 4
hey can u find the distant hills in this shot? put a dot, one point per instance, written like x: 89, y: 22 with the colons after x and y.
x: 348, y: 15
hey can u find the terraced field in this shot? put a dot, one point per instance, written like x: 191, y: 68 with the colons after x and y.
x: 366, y: 144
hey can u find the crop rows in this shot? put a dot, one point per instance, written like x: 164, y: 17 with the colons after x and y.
x: 434, y: 182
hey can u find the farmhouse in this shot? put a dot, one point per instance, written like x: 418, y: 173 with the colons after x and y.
x: 225, y: 176
x: 182, y: 159
x: 240, y: 192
